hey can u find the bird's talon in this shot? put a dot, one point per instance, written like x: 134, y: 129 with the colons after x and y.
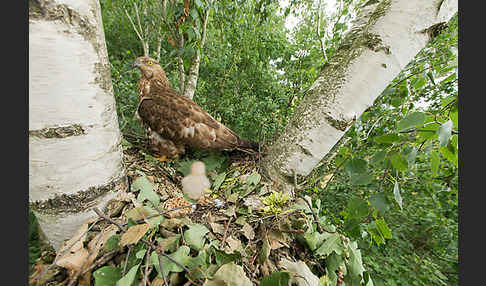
x: 162, y: 158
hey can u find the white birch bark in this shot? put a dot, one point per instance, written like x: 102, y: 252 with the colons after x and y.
x: 75, y: 154
x: 384, y: 39
x: 191, y: 81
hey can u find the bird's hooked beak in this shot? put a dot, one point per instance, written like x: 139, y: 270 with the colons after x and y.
x: 136, y: 64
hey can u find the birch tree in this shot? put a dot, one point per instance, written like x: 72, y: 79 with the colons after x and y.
x: 384, y: 38
x: 183, y: 25
x: 75, y: 153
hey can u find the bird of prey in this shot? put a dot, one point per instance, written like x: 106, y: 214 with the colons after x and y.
x: 174, y: 122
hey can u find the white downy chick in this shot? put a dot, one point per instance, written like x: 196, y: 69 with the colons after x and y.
x: 194, y: 184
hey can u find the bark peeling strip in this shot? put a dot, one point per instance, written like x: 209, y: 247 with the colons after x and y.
x: 58, y: 132
x: 78, y: 202
x: 49, y: 11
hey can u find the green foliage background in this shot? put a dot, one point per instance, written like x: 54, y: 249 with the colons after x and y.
x: 393, y: 184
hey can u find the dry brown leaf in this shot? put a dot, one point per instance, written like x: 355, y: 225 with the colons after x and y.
x: 233, y: 244
x: 248, y: 231
x: 74, y: 257
x: 150, y: 178
x: 134, y: 234
x: 79, y: 236
x: 325, y: 180
x: 139, y: 213
x: 124, y: 196
x: 158, y: 281
x: 277, y: 240
x: 230, y: 211
x: 95, y: 245
x: 232, y: 198
x: 175, y: 222
x: 217, y: 228
x: 73, y: 261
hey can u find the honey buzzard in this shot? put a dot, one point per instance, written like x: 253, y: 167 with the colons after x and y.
x: 174, y: 122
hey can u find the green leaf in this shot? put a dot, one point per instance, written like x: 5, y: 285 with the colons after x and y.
x: 333, y: 262
x: 112, y: 242
x: 224, y: 258
x: 213, y: 161
x: 361, y: 179
x: 357, y: 208
x: 218, y: 180
x: 412, y: 120
x: 379, y: 202
x: 265, y: 250
x: 419, y: 83
x: 355, y: 265
x: 449, y: 78
x: 454, y: 116
x: 431, y: 77
x: 141, y: 253
x: 276, y: 279
x: 184, y: 167
x: 378, y: 158
x: 429, y: 131
x: 352, y: 226
x: 397, y: 195
x: 387, y: 138
x: 332, y: 244
x: 107, y: 276
x: 315, y: 239
x: 358, y: 172
x: 195, y: 236
x: 399, y: 163
x: 451, y: 157
x: 181, y: 255
x: 434, y: 162
x: 146, y: 190
x: 253, y: 179
x: 445, y: 133
x: 169, y: 244
x: 411, y: 154
x: 375, y: 235
x: 231, y: 274
x: 383, y: 228
x: 198, y: 3
x: 129, y: 278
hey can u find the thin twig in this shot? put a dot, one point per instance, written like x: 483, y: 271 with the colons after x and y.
x: 88, y: 258
x: 226, y: 232
x: 145, y: 276
x: 99, y: 213
x: 134, y: 27
x: 162, y: 268
x: 126, y: 261
x: 316, y: 220
x: 105, y: 258
x: 164, y: 212
x: 42, y: 274
x: 123, y: 229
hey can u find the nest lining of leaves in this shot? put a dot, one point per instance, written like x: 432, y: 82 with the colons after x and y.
x: 258, y: 237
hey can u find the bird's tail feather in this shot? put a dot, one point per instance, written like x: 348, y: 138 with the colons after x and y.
x: 247, y: 145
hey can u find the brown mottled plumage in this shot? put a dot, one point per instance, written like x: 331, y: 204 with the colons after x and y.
x: 174, y: 121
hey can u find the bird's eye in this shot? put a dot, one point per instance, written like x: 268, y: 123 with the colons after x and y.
x: 149, y: 63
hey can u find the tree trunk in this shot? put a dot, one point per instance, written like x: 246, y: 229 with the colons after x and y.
x: 75, y: 154
x: 180, y: 65
x: 383, y: 40
x: 191, y: 81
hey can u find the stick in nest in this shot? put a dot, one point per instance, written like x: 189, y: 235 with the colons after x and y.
x: 148, y: 243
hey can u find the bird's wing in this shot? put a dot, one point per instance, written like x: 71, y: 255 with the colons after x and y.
x: 179, y: 118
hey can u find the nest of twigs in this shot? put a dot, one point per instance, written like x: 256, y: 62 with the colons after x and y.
x: 247, y: 234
